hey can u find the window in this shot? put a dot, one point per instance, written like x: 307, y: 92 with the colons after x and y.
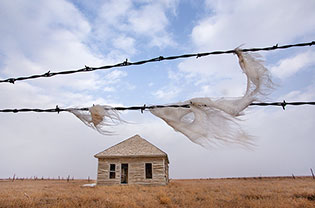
x: 112, y: 171
x: 148, y: 170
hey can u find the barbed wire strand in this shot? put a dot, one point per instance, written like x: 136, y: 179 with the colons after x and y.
x: 157, y: 59
x: 283, y: 104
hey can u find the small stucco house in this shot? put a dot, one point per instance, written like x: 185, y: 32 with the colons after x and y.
x: 132, y: 161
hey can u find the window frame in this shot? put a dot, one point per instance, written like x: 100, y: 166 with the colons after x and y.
x: 112, y: 171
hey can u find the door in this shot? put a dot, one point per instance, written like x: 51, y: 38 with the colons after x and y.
x: 124, y: 173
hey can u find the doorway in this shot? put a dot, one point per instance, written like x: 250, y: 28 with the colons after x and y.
x: 124, y: 173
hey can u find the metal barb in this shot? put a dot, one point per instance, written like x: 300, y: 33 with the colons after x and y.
x: 126, y: 63
x: 87, y: 68
x: 142, y: 109
x: 11, y: 80
x: 283, y: 104
x: 47, y: 74
x: 57, y: 109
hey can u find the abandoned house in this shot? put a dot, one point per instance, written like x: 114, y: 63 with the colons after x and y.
x: 132, y: 161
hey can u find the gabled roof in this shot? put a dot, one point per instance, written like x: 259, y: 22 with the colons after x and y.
x: 135, y: 146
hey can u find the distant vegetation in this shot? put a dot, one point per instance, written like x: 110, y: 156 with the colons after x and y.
x: 243, y: 192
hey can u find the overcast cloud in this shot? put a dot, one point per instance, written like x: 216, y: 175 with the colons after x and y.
x: 37, y: 36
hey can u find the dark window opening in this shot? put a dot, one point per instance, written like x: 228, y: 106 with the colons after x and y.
x: 148, y: 170
x: 112, y: 171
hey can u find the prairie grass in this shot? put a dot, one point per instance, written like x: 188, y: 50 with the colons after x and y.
x: 254, y: 192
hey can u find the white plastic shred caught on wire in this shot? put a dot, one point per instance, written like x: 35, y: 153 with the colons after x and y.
x: 209, y: 121
x: 99, y: 117
x: 206, y: 121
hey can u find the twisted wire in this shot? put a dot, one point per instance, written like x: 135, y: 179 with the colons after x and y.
x: 157, y: 59
x: 282, y: 104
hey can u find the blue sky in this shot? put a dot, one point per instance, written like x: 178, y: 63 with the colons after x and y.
x: 37, y: 36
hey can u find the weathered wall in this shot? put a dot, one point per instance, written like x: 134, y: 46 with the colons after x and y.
x: 166, y: 170
x: 136, y: 171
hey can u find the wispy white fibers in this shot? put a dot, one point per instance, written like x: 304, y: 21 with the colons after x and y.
x: 99, y: 117
x: 206, y: 121
x: 210, y: 121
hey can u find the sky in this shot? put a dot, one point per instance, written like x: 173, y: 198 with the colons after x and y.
x: 37, y: 36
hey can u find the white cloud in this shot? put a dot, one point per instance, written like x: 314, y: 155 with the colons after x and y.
x: 167, y: 94
x: 37, y: 37
x: 124, y: 43
x: 12, y: 67
x: 226, y: 88
x: 113, y: 11
x: 22, y: 95
x: 304, y: 94
x: 109, y: 89
x: 114, y: 76
x: 143, y: 20
x: 254, y: 23
x: 149, y: 19
x: 29, y: 25
x: 48, y: 36
x: 289, y: 66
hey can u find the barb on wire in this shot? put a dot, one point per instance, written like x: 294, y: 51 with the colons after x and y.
x: 160, y: 58
x: 283, y: 104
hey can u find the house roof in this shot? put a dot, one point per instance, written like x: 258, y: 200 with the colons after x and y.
x: 135, y: 146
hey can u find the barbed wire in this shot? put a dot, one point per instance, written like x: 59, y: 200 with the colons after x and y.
x: 157, y: 59
x: 283, y: 104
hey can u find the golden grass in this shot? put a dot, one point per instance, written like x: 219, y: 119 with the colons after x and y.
x: 264, y: 192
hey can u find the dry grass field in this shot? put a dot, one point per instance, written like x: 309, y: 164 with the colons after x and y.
x: 254, y: 192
